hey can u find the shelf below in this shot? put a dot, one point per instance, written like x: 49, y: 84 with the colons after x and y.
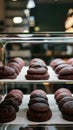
x: 56, y: 118
x: 52, y: 79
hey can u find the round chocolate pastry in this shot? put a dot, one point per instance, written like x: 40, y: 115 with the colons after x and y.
x: 38, y: 93
x: 16, y: 91
x: 39, y: 112
x: 38, y: 65
x: 37, y: 76
x: 16, y: 94
x: 8, y: 77
x: 58, y: 63
x: 67, y: 111
x: 37, y: 60
x: 53, y: 62
x: 10, y: 101
x: 64, y: 100
x: 66, y: 73
x: 36, y: 71
x: 62, y: 95
x: 7, y: 72
x: 61, y: 90
x: 14, y: 64
x: 69, y: 61
x: 7, y: 113
x: 18, y: 60
x: 37, y: 100
x: 14, y: 67
x: 17, y: 98
x: 59, y: 67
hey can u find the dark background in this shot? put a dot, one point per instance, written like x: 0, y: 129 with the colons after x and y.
x: 51, y: 17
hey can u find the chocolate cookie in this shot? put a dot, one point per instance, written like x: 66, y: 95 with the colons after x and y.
x: 8, y: 77
x: 14, y: 67
x: 7, y: 113
x: 6, y: 70
x: 10, y: 101
x: 37, y: 60
x: 16, y: 91
x: 39, y: 65
x: 66, y: 73
x: 37, y: 100
x: 39, y: 112
x: 64, y: 100
x: 18, y: 60
x: 55, y: 62
x: 67, y: 111
x: 37, y: 77
x: 62, y: 95
x: 38, y: 93
x: 16, y: 94
x: 59, y: 67
x: 36, y: 71
x: 58, y: 63
x: 61, y: 90
x: 14, y: 64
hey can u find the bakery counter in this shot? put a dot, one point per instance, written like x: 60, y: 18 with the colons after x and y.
x: 56, y: 118
x: 52, y: 79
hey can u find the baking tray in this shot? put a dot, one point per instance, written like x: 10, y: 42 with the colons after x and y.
x: 52, y: 79
x: 56, y: 118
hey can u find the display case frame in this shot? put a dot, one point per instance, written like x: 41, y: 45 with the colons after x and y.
x: 48, y: 37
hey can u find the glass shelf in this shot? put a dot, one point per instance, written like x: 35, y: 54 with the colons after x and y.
x: 48, y: 37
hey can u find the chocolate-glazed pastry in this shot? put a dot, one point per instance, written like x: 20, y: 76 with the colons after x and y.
x: 64, y: 100
x: 59, y: 67
x: 39, y: 109
x: 10, y: 101
x: 61, y: 90
x: 66, y: 73
x: 67, y: 111
x: 39, y: 112
x: 7, y: 72
x: 37, y: 70
x: 16, y: 94
x: 7, y: 113
x: 62, y: 95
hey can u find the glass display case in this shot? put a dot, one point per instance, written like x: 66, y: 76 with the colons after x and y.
x: 55, y: 39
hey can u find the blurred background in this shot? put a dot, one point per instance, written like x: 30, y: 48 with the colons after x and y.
x: 35, y: 15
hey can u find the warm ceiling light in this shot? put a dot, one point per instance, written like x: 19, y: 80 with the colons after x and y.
x: 30, y: 4
x: 14, y: 0
x: 37, y: 28
x: 17, y: 19
x: 27, y: 12
x: 26, y: 31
